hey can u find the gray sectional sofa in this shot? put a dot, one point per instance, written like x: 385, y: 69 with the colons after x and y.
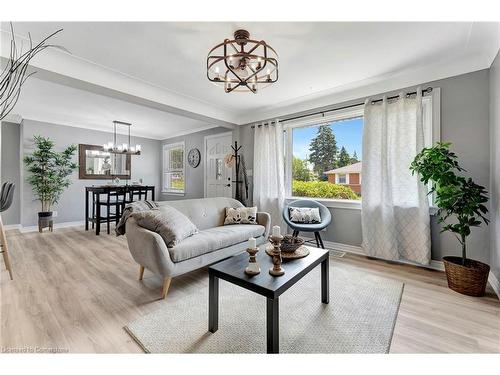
x: 213, y: 243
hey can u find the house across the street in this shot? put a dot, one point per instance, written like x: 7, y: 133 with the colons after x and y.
x: 349, y: 175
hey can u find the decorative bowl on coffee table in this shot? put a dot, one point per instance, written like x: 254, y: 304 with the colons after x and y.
x: 290, y: 243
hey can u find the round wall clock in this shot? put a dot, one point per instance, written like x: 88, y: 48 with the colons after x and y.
x: 194, y: 157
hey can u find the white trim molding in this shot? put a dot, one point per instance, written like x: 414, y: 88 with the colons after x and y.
x: 12, y: 227
x: 437, y: 265
x: 191, y: 131
x: 358, y: 250
x: 204, y: 156
x: 167, y: 147
x: 331, y: 203
x: 66, y: 224
x: 495, y: 284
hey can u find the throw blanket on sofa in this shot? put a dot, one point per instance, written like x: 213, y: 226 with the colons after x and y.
x: 131, y: 208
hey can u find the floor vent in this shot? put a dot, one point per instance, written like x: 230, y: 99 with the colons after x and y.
x: 337, y: 253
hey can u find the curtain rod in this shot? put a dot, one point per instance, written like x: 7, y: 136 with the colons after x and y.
x: 424, y: 91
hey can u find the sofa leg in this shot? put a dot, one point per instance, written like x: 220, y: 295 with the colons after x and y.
x: 166, y: 285
x: 141, y: 272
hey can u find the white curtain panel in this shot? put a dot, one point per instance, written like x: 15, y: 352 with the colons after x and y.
x: 268, y: 171
x: 395, y: 209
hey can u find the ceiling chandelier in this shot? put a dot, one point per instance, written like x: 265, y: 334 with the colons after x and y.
x: 123, y: 148
x: 242, y: 64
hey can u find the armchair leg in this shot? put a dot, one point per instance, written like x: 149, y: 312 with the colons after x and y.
x: 319, y: 241
x: 166, y: 285
x: 141, y: 272
x: 316, y: 238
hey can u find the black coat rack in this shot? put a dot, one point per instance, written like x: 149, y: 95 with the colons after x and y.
x: 237, y: 191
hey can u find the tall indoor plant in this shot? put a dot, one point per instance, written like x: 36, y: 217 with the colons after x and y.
x: 462, y: 205
x: 49, y: 171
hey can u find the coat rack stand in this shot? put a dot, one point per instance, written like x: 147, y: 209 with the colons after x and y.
x: 237, y: 181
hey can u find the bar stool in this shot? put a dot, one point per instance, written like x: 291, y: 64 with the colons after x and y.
x: 138, y: 191
x: 6, y: 197
x: 113, y: 199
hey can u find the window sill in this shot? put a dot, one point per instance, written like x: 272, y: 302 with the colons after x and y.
x: 346, y: 203
x: 333, y: 203
x: 168, y: 192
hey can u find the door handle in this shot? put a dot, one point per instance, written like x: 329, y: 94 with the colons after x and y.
x: 228, y: 185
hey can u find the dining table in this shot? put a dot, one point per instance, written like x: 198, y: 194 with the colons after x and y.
x: 129, y: 191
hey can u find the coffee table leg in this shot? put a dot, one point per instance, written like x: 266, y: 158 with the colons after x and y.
x: 325, y: 283
x: 273, y: 337
x: 213, y: 303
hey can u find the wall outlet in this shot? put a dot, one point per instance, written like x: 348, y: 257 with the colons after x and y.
x: 54, y: 213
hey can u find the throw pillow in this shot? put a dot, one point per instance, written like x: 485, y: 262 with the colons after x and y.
x: 304, y: 215
x: 241, y: 215
x: 171, y: 224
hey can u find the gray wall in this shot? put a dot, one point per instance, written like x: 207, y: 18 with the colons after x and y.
x: 10, y: 169
x: 465, y: 123
x: 71, y: 206
x: 194, y: 176
x: 495, y: 166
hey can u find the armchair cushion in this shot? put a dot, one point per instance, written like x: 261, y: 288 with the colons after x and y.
x: 305, y: 215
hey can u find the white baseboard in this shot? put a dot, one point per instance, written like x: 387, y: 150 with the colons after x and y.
x: 358, y: 250
x: 495, y: 284
x: 435, y: 264
x: 11, y: 227
x: 66, y: 224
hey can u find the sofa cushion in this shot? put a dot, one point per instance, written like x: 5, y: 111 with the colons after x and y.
x: 241, y: 215
x: 213, y: 239
x: 172, y: 225
x: 205, y: 213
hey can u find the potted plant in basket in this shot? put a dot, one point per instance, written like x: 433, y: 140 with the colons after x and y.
x: 49, y: 171
x: 462, y: 201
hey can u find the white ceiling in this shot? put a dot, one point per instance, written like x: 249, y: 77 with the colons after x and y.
x: 317, y: 60
x: 82, y: 108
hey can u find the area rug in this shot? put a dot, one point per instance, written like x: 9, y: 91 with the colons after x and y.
x: 360, y: 317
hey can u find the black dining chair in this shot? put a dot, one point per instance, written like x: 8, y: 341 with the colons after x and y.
x: 6, y: 197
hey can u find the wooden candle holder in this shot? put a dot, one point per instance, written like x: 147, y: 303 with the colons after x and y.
x: 276, y: 270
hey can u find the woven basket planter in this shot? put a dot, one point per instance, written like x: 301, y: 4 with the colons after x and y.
x: 470, y: 279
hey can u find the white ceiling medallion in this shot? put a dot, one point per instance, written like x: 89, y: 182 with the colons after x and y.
x: 242, y: 64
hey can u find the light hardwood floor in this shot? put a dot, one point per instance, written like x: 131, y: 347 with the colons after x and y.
x: 74, y: 290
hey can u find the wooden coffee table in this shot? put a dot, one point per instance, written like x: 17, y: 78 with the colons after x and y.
x: 233, y: 271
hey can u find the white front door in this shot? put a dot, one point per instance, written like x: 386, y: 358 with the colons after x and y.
x: 217, y: 175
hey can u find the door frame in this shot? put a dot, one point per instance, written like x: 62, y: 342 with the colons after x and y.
x: 206, y: 138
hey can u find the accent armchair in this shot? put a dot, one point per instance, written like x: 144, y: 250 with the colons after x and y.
x: 326, y: 219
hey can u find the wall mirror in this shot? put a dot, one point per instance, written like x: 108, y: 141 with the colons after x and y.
x: 97, y: 164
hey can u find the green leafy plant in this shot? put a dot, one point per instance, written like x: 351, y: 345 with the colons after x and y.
x: 49, y: 171
x: 322, y: 189
x: 456, y: 196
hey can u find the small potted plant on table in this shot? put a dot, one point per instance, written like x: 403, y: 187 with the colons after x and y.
x: 49, y: 171
x: 461, y: 200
